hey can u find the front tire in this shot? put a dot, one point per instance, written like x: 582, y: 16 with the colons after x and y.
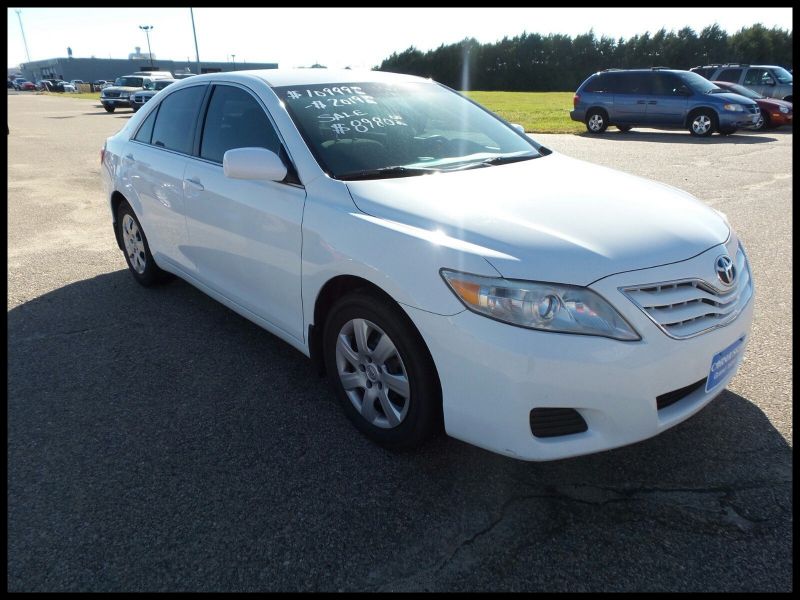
x: 702, y: 123
x: 136, y: 249
x: 109, y: 109
x: 381, y: 371
x: 596, y: 121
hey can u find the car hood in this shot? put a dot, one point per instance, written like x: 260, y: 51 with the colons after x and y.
x: 552, y: 218
x: 120, y: 88
x: 733, y: 97
x: 774, y: 103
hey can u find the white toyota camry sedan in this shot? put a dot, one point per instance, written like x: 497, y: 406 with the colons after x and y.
x: 443, y: 269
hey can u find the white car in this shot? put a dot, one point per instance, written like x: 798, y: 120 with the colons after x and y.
x: 69, y: 87
x: 440, y: 266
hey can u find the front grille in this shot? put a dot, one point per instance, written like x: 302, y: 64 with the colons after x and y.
x: 670, y: 398
x: 683, y: 309
x: 552, y: 422
x: 111, y: 94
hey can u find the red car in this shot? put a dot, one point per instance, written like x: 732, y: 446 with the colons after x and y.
x: 28, y: 85
x: 774, y: 112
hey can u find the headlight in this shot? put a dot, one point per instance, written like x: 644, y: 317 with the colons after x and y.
x: 733, y: 107
x: 537, y: 305
x: 783, y: 109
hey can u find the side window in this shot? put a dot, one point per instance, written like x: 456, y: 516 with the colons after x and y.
x: 175, y: 123
x: 235, y: 120
x: 616, y: 83
x: 666, y: 84
x: 146, y: 130
x: 596, y: 85
x: 758, y: 77
x: 731, y: 75
x: 637, y: 83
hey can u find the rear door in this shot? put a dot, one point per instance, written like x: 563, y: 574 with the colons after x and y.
x: 156, y: 161
x: 668, y: 103
x: 631, y: 93
x: 245, y: 235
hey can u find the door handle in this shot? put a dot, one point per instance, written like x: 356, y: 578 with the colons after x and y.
x: 195, y: 183
x: 641, y: 102
x: 652, y: 101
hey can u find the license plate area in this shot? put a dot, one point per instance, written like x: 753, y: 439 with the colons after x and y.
x: 723, y: 363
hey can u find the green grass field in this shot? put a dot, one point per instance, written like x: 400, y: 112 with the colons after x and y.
x: 538, y: 112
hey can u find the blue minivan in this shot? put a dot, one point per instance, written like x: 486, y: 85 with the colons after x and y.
x: 661, y: 99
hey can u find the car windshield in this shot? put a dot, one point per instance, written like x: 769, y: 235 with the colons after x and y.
x: 782, y: 74
x: 377, y: 130
x: 699, y: 84
x: 742, y: 91
x: 128, y: 81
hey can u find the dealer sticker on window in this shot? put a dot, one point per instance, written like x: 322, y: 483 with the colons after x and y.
x: 723, y: 363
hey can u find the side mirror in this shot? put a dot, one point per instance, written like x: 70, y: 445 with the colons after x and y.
x: 518, y: 127
x: 253, y: 163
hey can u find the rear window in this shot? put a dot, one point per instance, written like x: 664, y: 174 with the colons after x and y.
x: 596, y: 84
x: 631, y: 82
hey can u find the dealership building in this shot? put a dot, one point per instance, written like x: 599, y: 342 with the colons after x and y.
x: 93, y: 69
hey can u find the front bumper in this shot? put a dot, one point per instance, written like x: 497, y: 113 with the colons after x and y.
x: 494, y: 374
x: 115, y: 102
x: 738, y: 120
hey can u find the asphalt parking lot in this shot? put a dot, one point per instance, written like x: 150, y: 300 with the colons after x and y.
x: 158, y: 441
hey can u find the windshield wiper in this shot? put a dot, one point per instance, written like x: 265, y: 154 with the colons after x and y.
x: 502, y: 160
x: 383, y: 172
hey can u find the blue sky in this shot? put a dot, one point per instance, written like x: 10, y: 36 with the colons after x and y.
x: 336, y: 37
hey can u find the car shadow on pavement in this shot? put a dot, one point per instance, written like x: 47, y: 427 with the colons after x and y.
x: 157, y: 440
x: 680, y: 137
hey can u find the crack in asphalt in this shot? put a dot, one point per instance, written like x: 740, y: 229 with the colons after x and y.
x: 726, y: 511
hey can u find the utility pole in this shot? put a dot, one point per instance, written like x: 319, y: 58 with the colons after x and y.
x: 147, y: 29
x: 234, y: 61
x: 24, y: 41
x: 197, y: 52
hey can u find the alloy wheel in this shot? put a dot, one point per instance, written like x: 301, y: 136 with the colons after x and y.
x: 134, y: 244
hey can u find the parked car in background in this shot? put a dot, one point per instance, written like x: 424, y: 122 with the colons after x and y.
x: 662, y: 99
x: 50, y: 85
x: 10, y: 84
x: 768, y: 80
x: 118, y: 95
x: 68, y: 87
x: 76, y: 83
x: 151, y: 88
x: 774, y: 112
x: 18, y: 83
x: 155, y: 74
x: 27, y: 86
x: 442, y: 267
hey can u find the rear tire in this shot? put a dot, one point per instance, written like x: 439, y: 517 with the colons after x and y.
x: 136, y: 249
x: 596, y: 121
x: 393, y: 394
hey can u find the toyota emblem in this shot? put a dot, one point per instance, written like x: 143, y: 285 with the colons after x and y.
x: 725, y: 269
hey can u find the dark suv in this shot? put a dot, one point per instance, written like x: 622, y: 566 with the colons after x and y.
x: 661, y: 99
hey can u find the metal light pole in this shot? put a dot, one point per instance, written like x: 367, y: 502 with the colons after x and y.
x: 234, y: 61
x: 24, y: 41
x: 196, y: 51
x: 147, y: 29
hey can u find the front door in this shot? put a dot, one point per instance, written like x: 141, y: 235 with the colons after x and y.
x: 245, y: 236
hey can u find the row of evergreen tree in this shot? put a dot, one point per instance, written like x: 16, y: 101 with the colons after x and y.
x: 557, y: 62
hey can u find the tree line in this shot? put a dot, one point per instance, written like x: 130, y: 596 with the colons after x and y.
x: 557, y: 62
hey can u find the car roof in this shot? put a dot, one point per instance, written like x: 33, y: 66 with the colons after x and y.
x: 283, y: 77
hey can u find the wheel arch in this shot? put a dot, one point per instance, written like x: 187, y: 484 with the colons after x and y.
x: 704, y: 107
x: 337, y: 287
